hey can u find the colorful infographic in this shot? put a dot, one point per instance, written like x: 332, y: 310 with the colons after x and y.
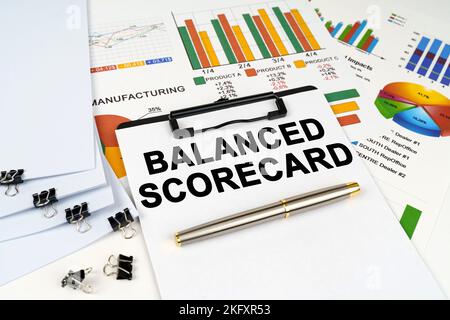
x: 356, y: 34
x: 235, y: 35
x: 416, y: 108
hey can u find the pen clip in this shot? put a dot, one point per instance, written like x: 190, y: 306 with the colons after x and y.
x: 221, y: 104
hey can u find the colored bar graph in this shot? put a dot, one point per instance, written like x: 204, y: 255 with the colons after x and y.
x: 446, y: 78
x: 345, y: 32
x: 356, y: 35
x: 417, y: 54
x: 304, y: 26
x: 265, y: 34
x: 223, y: 41
x: 220, y: 39
x: 336, y: 29
x: 298, y: 32
x: 231, y: 38
x: 273, y: 32
x: 358, y: 31
x: 243, y: 43
x: 197, y: 43
x: 189, y: 47
x: 364, y: 38
x: 440, y: 63
x: 429, y: 57
x: 287, y: 28
x: 409, y: 220
x: 209, y: 48
x: 256, y: 35
x: 372, y: 45
x: 368, y: 42
x: 352, y: 32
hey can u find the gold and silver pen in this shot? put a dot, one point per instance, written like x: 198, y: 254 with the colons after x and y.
x: 281, y: 209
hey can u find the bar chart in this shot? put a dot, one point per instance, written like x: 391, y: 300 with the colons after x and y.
x: 357, y: 34
x: 244, y: 34
x: 430, y: 58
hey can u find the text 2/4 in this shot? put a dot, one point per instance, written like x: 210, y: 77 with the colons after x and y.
x: 241, y: 309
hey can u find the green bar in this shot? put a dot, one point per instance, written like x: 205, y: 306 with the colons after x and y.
x: 255, y: 33
x: 409, y: 220
x: 341, y: 95
x: 223, y: 41
x: 344, y: 33
x: 364, y: 38
x: 288, y: 30
x: 328, y: 24
x: 189, y: 48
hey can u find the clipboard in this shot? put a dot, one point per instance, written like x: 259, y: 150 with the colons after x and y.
x: 206, y: 162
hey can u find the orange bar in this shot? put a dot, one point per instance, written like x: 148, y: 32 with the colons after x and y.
x: 272, y: 31
x: 302, y: 24
x: 244, y: 44
x: 344, y: 107
x: 262, y: 29
x: 197, y: 43
x: 231, y: 38
x: 348, y: 120
x: 300, y: 36
x: 209, y: 48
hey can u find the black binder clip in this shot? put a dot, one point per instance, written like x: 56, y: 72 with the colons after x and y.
x: 46, y: 199
x: 75, y: 280
x: 77, y: 215
x: 11, y: 179
x: 122, y: 267
x: 122, y: 221
x: 222, y: 104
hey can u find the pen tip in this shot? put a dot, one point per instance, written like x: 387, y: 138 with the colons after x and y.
x: 177, y: 240
x: 355, y: 187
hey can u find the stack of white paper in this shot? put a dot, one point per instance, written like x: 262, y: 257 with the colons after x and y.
x: 47, y: 131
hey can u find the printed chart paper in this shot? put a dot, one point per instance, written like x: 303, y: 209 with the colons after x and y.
x: 406, y: 71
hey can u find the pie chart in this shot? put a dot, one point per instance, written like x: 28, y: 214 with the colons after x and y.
x: 416, y: 108
x: 106, y: 126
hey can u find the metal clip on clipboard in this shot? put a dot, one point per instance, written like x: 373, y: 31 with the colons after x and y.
x: 222, y: 104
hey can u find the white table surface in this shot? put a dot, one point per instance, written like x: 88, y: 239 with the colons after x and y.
x: 45, y: 283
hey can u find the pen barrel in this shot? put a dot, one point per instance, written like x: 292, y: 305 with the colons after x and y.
x: 280, y: 209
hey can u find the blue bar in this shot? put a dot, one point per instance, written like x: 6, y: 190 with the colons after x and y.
x: 440, y: 63
x: 429, y: 57
x: 417, y: 53
x: 372, y: 45
x: 446, y: 79
x: 336, y: 29
x: 358, y: 32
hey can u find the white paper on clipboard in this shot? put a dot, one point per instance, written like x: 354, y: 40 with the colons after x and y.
x: 45, y: 100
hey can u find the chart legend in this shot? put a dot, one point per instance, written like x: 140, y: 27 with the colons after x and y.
x: 243, y: 34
